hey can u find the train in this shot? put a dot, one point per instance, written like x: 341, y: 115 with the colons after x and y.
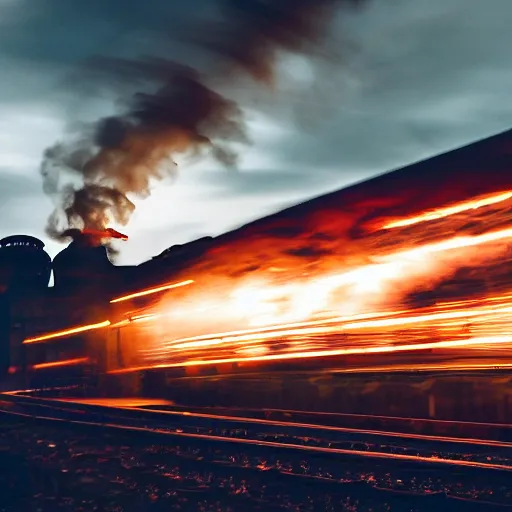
x: 80, y: 328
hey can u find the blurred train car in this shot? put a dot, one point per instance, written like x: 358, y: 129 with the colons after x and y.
x: 86, y: 282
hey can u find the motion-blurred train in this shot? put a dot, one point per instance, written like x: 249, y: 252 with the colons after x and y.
x: 77, y: 328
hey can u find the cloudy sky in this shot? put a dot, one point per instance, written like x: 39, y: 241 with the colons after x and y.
x: 407, y: 79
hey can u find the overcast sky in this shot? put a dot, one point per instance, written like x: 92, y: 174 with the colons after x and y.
x: 413, y: 78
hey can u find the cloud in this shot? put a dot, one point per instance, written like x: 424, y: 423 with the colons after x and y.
x: 433, y: 76
x: 417, y: 78
x: 260, y: 182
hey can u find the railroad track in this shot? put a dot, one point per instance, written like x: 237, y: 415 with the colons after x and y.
x: 262, y: 435
x: 397, y: 425
x: 447, y: 431
x: 277, y: 434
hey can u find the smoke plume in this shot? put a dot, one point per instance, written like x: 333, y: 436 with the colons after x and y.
x: 120, y: 157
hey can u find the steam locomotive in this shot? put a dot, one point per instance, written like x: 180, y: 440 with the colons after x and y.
x: 71, y: 332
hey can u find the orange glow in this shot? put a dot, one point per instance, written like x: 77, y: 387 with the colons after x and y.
x: 450, y: 210
x: 304, y: 338
x: 106, y: 233
x: 151, y: 291
x: 306, y: 297
x: 59, y: 364
x: 318, y: 283
x: 327, y: 337
x: 67, y: 332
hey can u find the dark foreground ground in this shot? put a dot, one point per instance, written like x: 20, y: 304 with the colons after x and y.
x: 49, y: 467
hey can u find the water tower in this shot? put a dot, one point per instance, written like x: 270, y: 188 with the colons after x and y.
x: 25, y: 268
x: 24, y: 264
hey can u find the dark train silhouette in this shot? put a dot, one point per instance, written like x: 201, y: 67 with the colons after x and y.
x: 85, y: 281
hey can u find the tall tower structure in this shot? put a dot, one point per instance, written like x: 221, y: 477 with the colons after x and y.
x: 25, y: 270
x: 24, y: 264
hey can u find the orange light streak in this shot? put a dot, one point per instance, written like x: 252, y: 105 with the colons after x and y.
x: 135, y: 319
x: 67, y: 332
x: 425, y: 367
x: 449, y: 210
x: 391, y: 322
x: 458, y: 242
x: 278, y: 329
x: 59, y: 364
x: 490, y: 340
x: 151, y: 291
x: 135, y: 403
x: 319, y: 328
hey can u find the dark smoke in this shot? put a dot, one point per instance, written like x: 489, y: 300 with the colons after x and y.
x: 121, y: 156
x: 253, y: 32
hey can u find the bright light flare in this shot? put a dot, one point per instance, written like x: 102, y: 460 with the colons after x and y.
x: 67, y: 332
x: 151, y: 291
x: 362, y: 286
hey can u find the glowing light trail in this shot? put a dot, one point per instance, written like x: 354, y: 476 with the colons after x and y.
x: 449, y: 210
x: 67, y: 332
x: 318, y: 327
x: 59, y: 364
x: 151, y: 291
x: 330, y: 353
x: 458, y: 242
